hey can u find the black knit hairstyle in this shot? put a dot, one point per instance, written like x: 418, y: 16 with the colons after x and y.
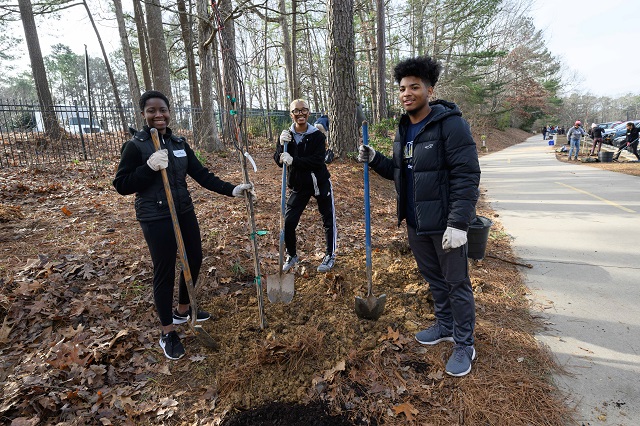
x: 150, y: 94
x: 423, y: 67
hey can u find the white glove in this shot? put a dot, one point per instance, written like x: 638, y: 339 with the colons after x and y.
x: 453, y: 238
x: 366, y: 154
x: 238, y: 191
x: 285, y: 136
x: 286, y: 158
x: 158, y: 160
x: 320, y: 127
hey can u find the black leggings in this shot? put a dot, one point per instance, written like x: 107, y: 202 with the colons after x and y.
x: 163, y: 248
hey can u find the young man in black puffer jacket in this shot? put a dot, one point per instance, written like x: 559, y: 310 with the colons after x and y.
x: 436, y: 172
x: 308, y: 177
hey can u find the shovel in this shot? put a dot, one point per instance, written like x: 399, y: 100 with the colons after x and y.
x: 281, y: 287
x: 370, y: 307
x: 200, y: 333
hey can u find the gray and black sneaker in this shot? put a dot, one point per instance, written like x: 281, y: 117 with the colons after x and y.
x: 459, y: 363
x: 179, y: 318
x: 327, y: 263
x: 289, y: 262
x: 171, y: 345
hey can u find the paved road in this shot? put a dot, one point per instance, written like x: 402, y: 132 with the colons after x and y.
x: 580, y: 229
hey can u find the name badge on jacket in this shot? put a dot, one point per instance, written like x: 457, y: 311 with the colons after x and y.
x: 180, y: 153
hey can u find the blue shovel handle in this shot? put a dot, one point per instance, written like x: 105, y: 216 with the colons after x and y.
x: 367, y: 210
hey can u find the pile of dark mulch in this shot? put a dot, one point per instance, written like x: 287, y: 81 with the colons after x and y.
x: 287, y: 414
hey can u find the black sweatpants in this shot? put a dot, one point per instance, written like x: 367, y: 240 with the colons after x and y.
x: 296, y: 204
x: 163, y: 248
x: 448, y: 276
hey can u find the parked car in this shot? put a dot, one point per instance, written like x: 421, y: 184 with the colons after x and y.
x: 618, y: 133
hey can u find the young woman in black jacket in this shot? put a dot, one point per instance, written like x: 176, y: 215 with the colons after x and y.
x: 308, y: 177
x: 139, y: 173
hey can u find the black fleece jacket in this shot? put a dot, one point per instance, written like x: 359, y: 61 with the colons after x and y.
x: 135, y: 176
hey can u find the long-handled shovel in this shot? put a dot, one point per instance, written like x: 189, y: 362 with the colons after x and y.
x: 200, y: 333
x: 370, y: 307
x: 281, y: 287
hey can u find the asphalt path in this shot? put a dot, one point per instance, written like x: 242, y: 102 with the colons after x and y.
x: 580, y: 229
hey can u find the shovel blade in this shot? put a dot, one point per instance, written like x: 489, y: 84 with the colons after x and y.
x: 280, y: 288
x: 204, y: 337
x: 370, y: 307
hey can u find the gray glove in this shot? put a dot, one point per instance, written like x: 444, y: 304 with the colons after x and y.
x: 158, y: 160
x: 286, y: 158
x: 238, y: 191
x: 366, y: 154
x: 285, y: 136
x: 453, y: 238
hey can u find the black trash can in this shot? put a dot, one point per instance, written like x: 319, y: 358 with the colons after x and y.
x: 477, y: 237
x: 605, y: 156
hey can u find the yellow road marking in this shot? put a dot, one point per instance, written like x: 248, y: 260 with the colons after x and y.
x: 611, y: 203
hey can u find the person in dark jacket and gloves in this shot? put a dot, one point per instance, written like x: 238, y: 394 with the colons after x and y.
x: 139, y: 173
x: 631, y: 142
x: 308, y: 177
x: 436, y: 172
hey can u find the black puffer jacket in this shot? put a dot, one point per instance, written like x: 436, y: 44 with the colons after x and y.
x: 446, y: 171
x: 308, y: 169
x: 135, y: 176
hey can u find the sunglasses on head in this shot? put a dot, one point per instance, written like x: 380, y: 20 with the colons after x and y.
x: 299, y: 111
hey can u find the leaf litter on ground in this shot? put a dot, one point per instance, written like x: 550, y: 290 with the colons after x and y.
x: 79, y: 334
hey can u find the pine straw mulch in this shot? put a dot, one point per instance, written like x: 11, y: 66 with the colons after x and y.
x: 78, y: 330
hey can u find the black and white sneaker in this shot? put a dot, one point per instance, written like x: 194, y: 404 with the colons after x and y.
x: 289, y: 262
x: 327, y: 263
x: 171, y: 345
x: 179, y: 318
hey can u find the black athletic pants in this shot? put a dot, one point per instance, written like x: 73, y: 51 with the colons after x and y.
x: 296, y: 204
x: 448, y: 276
x: 163, y: 248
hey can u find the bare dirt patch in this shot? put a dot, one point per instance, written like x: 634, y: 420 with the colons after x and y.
x: 78, y: 330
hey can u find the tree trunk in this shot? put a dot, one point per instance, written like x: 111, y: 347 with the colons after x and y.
x: 286, y: 47
x: 381, y: 112
x: 160, y: 67
x: 342, y: 79
x: 116, y: 93
x: 295, y: 83
x: 206, y: 120
x: 194, y: 92
x: 143, y: 44
x: 51, y: 125
x: 132, y: 78
x: 368, y: 35
x: 231, y: 98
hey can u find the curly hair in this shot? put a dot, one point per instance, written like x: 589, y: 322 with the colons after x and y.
x: 424, y: 67
x: 150, y: 94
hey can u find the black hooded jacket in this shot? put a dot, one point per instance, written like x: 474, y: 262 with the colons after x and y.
x: 135, y: 176
x: 446, y: 171
x: 308, y: 169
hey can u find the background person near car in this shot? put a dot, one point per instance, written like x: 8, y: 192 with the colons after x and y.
x: 573, y: 136
x: 632, y: 142
x: 596, y: 134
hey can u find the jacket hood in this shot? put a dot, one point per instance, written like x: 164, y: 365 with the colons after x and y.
x: 310, y: 129
x: 441, y: 109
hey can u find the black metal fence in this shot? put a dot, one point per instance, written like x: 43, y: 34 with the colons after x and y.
x: 95, y: 133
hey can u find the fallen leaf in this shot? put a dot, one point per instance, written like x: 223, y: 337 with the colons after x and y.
x: 406, y: 408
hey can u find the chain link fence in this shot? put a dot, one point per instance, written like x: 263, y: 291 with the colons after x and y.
x: 96, y: 134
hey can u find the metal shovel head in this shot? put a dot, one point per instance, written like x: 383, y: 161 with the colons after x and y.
x: 370, y: 307
x: 280, y: 287
x: 204, y: 337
